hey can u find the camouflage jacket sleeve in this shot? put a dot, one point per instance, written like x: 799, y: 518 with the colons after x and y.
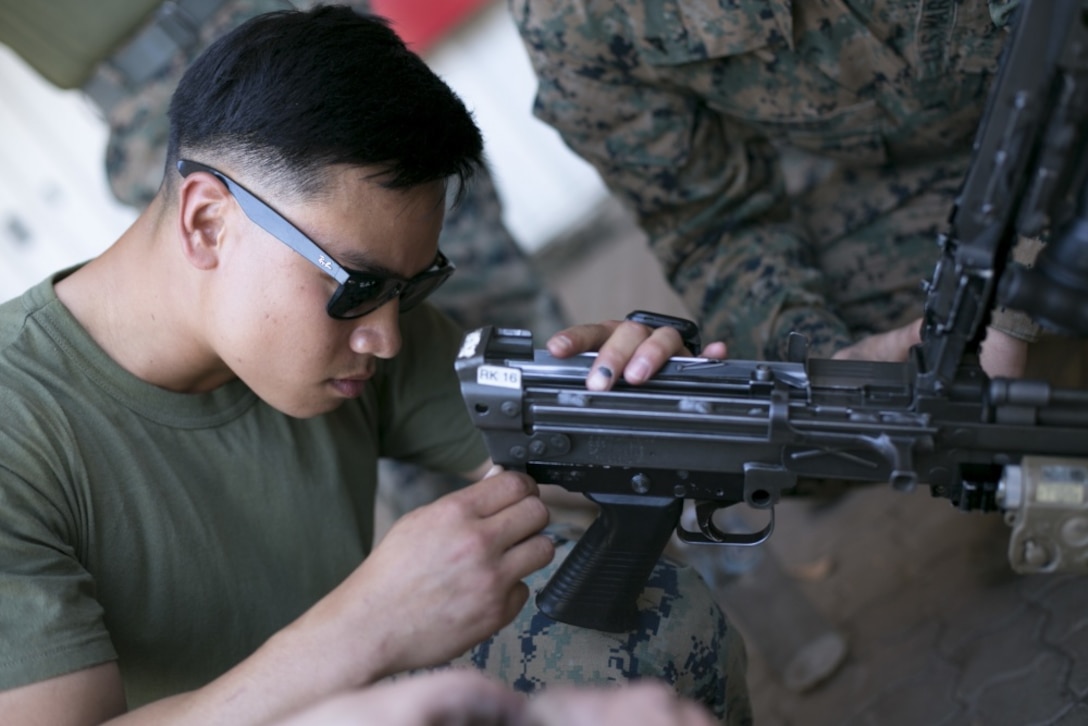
x: 708, y: 189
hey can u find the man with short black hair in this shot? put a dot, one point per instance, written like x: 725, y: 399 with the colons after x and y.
x: 192, y: 422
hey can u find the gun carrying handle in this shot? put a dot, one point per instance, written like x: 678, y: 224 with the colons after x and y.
x: 598, y: 585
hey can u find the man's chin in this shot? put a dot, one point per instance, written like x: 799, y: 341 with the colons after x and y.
x: 308, y: 409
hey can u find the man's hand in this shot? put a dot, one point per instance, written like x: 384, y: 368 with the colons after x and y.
x: 644, y: 702
x: 469, y: 697
x: 454, y: 696
x: 446, y: 576
x: 1001, y: 355
x: 625, y: 348
x: 893, y: 346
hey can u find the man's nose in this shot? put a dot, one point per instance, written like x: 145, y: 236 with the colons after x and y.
x: 378, y: 333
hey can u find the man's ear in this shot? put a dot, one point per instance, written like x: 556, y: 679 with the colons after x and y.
x: 203, y: 203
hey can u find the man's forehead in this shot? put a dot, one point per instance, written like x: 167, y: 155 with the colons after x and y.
x: 369, y: 186
x: 361, y: 258
x: 361, y: 221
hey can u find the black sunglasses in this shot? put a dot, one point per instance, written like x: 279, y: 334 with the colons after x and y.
x: 359, y: 293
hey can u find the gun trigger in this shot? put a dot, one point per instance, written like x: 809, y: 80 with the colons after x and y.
x: 710, y: 533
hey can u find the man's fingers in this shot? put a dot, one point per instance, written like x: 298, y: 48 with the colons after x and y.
x: 635, y: 352
x: 489, y: 496
x: 912, y: 333
x: 525, y: 558
x: 652, y: 353
x: 451, y: 696
x: 615, y: 356
x: 516, y: 522
x: 515, y: 600
x: 893, y: 345
x: 580, y: 338
x: 645, y: 702
x: 715, y: 351
x: 1003, y: 356
x: 625, y: 349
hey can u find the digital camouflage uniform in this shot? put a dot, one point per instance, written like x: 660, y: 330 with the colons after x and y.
x: 685, y: 109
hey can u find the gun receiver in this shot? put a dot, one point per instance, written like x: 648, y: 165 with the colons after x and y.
x: 726, y: 432
x: 729, y: 432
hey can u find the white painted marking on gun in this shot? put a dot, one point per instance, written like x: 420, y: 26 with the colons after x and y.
x: 469, y: 344
x: 498, y: 376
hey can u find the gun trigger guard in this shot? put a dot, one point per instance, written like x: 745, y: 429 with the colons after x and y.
x: 710, y: 533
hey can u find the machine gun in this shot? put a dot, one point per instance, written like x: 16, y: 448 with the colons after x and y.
x: 727, y: 432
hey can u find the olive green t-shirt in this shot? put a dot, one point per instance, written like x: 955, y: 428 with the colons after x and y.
x: 177, y: 532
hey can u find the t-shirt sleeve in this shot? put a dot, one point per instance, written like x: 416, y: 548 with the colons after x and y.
x: 423, y: 416
x: 50, y: 620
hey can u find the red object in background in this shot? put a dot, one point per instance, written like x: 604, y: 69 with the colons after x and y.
x: 421, y: 23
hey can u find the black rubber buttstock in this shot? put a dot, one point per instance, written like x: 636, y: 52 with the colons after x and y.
x: 598, y: 585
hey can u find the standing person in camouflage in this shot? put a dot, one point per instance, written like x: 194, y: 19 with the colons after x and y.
x: 686, y: 109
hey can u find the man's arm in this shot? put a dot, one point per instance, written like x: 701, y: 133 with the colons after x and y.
x: 445, y: 577
x: 1001, y: 355
x: 458, y: 696
x: 89, y: 696
x: 709, y: 194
